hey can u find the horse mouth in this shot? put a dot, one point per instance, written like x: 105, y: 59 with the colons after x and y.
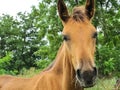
x: 85, y: 84
x: 85, y: 80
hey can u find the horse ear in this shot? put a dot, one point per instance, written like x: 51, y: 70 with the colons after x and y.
x: 90, y: 8
x: 63, y: 12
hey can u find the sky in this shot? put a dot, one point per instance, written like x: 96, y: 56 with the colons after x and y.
x: 12, y: 7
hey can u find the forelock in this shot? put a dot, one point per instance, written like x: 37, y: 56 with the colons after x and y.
x: 78, y: 13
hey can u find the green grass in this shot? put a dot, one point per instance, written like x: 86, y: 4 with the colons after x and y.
x: 29, y: 73
x: 104, y: 84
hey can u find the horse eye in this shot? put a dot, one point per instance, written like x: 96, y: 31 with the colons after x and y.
x: 66, y: 38
x: 94, y: 35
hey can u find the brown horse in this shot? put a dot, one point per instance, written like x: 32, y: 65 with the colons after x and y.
x: 74, y: 67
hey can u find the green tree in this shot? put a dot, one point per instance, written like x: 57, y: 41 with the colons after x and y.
x: 19, y: 36
x: 107, y: 22
x: 29, y: 43
x: 8, y: 34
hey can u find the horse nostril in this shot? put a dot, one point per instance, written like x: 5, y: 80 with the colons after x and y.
x: 79, y: 73
x: 95, y: 72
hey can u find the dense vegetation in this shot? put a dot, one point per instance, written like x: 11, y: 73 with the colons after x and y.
x: 32, y: 39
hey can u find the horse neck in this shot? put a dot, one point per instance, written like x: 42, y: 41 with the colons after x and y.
x: 63, y: 66
x: 58, y: 62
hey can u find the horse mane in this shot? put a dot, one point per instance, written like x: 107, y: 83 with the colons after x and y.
x: 78, y: 13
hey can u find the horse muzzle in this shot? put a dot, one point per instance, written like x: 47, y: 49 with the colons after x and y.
x: 87, y: 78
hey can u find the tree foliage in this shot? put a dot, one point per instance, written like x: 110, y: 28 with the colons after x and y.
x: 18, y: 36
x: 34, y: 38
x: 107, y: 21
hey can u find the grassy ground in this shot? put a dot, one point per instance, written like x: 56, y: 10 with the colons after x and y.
x: 104, y: 84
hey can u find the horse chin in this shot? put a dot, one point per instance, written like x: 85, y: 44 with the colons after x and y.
x: 82, y: 83
x: 88, y: 86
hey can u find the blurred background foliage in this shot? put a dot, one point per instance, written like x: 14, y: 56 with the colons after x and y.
x: 32, y: 39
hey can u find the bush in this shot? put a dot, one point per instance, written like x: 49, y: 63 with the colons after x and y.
x: 43, y: 63
x: 4, y: 63
x: 108, y: 60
